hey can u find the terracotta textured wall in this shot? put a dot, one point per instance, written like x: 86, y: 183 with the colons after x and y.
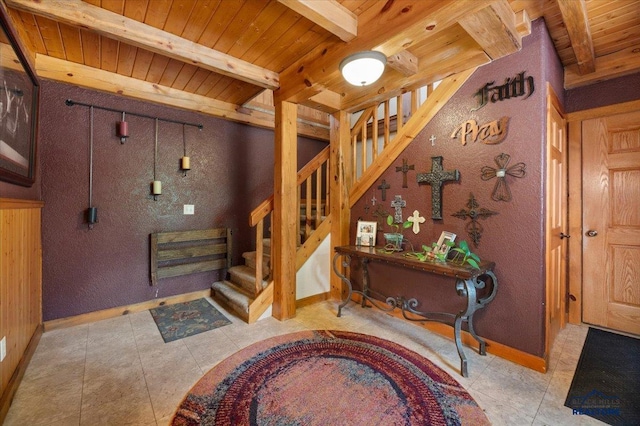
x: 514, y: 238
x: 87, y: 270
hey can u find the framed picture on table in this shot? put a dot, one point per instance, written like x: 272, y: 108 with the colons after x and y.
x: 442, y: 246
x: 19, y: 91
x: 366, y: 233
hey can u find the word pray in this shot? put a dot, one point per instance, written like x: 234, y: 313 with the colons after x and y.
x: 491, y: 133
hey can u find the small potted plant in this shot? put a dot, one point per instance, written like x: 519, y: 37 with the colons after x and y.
x: 463, y: 254
x: 394, y: 239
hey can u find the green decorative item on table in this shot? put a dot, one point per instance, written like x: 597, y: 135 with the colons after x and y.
x: 432, y: 254
x: 394, y: 239
x: 467, y: 255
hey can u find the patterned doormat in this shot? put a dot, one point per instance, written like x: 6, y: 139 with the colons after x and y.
x: 186, y: 319
x: 606, y: 384
x: 315, y: 378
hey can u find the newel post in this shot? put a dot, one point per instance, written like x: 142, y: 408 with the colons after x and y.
x: 340, y: 183
x: 283, y: 250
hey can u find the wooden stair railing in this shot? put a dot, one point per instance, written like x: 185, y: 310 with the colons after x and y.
x: 314, y: 177
x: 416, y: 115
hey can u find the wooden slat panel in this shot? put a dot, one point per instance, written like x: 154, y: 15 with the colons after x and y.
x: 20, y: 283
x: 191, y: 252
x: 198, y: 235
x: 72, y: 43
x: 178, y: 17
x: 198, y: 21
x: 91, y: 48
x: 191, y: 268
x: 51, y: 37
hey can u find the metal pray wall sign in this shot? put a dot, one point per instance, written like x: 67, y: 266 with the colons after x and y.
x: 520, y: 85
x: 491, y: 133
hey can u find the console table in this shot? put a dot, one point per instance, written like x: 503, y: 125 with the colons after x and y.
x: 467, y: 281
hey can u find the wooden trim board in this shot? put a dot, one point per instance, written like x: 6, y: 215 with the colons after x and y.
x: 123, y: 310
x: 498, y: 349
x: 12, y: 387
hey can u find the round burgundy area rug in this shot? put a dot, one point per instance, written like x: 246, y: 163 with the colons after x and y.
x: 327, y: 378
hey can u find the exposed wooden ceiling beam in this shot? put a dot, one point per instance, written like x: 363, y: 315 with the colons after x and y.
x: 494, y: 28
x: 80, y: 14
x: 81, y: 75
x: 404, y: 62
x: 388, y: 27
x: 329, y: 14
x: 574, y: 15
x: 618, y: 64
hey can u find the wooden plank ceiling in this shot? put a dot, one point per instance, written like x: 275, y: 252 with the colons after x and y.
x: 227, y: 57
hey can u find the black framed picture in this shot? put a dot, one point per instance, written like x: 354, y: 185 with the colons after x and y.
x: 19, y: 93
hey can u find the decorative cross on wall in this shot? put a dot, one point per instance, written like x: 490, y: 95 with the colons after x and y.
x: 501, y: 191
x: 383, y: 187
x: 381, y: 216
x: 432, y: 139
x: 398, y: 203
x: 417, y: 220
x: 436, y: 178
x: 474, y: 228
x: 404, y: 169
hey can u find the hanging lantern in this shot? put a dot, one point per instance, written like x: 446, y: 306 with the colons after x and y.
x: 92, y: 212
x: 122, y: 129
x: 185, y: 162
x: 156, y: 186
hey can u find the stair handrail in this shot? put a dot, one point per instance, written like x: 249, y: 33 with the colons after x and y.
x: 265, y: 208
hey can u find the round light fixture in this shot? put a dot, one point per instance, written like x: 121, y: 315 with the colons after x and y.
x: 363, y: 68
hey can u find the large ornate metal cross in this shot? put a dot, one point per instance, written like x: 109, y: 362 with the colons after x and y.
x: 436, y: 178
x: 383, y: 187
x: 398, y: 203
x: 404, y: 169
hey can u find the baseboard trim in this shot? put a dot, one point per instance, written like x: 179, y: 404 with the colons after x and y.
x: 312, y: 300
x: 12, y: 387
x: 123, y: 310
x: 498, y: 349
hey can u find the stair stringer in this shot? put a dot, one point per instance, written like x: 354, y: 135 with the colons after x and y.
x: 423, y: 115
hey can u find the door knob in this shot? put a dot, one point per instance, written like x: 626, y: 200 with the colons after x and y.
x: 563, y: 236
x: 591, y: 233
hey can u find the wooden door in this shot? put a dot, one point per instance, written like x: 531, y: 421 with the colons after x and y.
x: 611, y: 222
x: 556, y: 221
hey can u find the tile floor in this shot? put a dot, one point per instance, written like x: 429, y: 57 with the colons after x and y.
x: 120, y: 371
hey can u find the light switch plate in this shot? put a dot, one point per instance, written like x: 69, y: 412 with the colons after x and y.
x: 3, y: 348
x: 188, y: 209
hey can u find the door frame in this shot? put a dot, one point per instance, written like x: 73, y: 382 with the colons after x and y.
x: 574, y: 134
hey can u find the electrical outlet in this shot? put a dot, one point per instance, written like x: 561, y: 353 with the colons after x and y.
x: 188, y: 209
x: 3, y: 348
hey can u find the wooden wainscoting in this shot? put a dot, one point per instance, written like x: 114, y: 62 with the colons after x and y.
x: 20, y: 291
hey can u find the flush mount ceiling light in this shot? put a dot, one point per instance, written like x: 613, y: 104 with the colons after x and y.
x: 363, y: 68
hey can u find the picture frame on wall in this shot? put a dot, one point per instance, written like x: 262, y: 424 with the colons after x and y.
x: 366, y: 233
x: 19, y: 96
x: 441, y: 245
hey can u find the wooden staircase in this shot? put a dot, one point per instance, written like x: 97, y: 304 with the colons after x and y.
x: 243, y: 289
x: 250, y: 288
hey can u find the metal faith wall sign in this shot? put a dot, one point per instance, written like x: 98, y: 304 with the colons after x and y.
x: 475, y: 212
x: 404, y: 169
x: 491, y: 133
x: 501, y: 191
x: 520, y: 85
x: 436, y: 178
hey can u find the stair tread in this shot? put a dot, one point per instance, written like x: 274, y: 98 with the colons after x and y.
x: 238, y: 299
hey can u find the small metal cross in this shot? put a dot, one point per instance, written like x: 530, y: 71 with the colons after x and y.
x: 475, y: 212
x: 373, y: 200
x: 384, y: 186
x: 398, y: 203
x: 404, y: 169
x: 432, y: 139
x: 436, y: 178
